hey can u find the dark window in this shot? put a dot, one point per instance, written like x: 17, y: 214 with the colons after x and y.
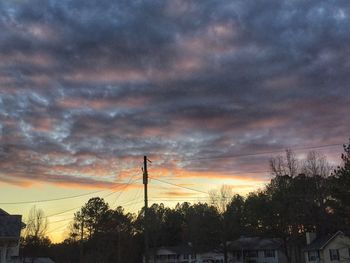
x: 313, y: 255
x: 162, y: 256
x: 237, y: 254
x: 334, y: 254
x: 269, y: 253
x: 252, y: 253
x: 186, y: 256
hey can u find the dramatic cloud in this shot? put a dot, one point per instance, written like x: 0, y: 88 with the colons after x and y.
x: 88, y: 87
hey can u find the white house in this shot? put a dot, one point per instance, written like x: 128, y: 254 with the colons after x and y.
x: 245, y: 249
x: 327, y: 249
x: 174, y: 254
x: 210, y: 257
x: 10, y: 230
x: 257, y: 250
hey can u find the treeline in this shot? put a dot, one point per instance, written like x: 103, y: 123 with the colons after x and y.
x: 307, y: 195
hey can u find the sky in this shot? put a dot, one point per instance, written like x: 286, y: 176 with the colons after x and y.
x: 208, y: 90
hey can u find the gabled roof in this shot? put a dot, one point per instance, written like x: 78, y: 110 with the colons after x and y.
x: 3, y: 213
x: 38, y: 260
x: 255, y: 243
x: 10, y: 225
x: 321, y: 242
x: 182, y: 249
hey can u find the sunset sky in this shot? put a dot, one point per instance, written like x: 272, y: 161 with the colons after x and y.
x: 208, y: 90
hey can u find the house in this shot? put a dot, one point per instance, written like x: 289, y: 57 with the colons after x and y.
x: 10, y: 230
x: 37, y: 260
x: 327, y: 249
x: 210, y: 257
x: 256, y: 250
x: 174, y: 254
x: 244, y: 249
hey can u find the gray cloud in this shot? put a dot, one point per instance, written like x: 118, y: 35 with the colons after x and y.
x: 175, y: 79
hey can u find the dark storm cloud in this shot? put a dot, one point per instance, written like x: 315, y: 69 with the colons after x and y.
x: 175, y: 79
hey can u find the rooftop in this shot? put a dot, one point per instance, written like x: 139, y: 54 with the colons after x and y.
x: 10, y: 225
x: 255, y: 243
x: 321, y: 242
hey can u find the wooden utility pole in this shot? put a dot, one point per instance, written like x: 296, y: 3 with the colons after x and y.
x: 82, y: 241
x: 145, y: 183
x: 119, y: 246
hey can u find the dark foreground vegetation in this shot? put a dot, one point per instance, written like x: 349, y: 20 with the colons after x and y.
x: 302, y: 196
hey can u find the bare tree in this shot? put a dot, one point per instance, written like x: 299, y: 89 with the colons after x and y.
x: 221, y: 198
x: 316, y: 164
x: 285, y: 165
x: 37, y: 223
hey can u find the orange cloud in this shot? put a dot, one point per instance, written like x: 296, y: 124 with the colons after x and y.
x: 177, y: 194
x: 102, y: 104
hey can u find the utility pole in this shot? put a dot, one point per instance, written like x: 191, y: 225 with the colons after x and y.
x: 145, y: 183
x: 82, y: 240
x: 119, y: 245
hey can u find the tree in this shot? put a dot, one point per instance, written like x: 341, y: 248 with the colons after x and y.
x: 299, y: 202
x: 341, y: 186
x: 316, y: 164
x: 90, y: 216
x: 108, y: 235
x: 283, y: 165
x: 203, y: 226
x: 35, y: 243
x: 221, y: 199
x: 36, y: 224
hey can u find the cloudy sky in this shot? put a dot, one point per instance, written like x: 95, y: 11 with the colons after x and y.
x: 87, y: 87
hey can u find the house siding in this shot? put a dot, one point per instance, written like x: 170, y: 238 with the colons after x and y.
x: 279, y: 258
x: 340, y: 242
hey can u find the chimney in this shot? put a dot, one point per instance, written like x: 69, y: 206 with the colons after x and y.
x: 310, y: 237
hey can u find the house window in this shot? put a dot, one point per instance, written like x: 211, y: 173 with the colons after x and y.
x: 237, y: 254
x: 194, y: 256
x: 160, y: 257
x: 334, y: 254
x: 252, y: 253
x: 313, y: 255
x: 186, y: 256
x: 269, y: 253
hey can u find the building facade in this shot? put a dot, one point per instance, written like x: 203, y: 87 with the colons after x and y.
x: 256, y: 250
x: 10, y: 230
x: 242, y: 250
x: 327, y: 249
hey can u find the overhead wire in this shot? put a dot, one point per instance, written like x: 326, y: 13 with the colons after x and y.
x: 75, y: 208
x: 184, y: 187
x: 264, y: 153
x: 54, y: 199
x: 127, y: 184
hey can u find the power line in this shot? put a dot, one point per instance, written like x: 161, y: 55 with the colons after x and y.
x: 51, y: 200
x: 75, y: 208
x: 127, y: 184
x: 177, y: 200
x: 56, y: 229
x: 184, y: 187
x: 263, y: 153
x: 66, y: 219
x: 136, y: 197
